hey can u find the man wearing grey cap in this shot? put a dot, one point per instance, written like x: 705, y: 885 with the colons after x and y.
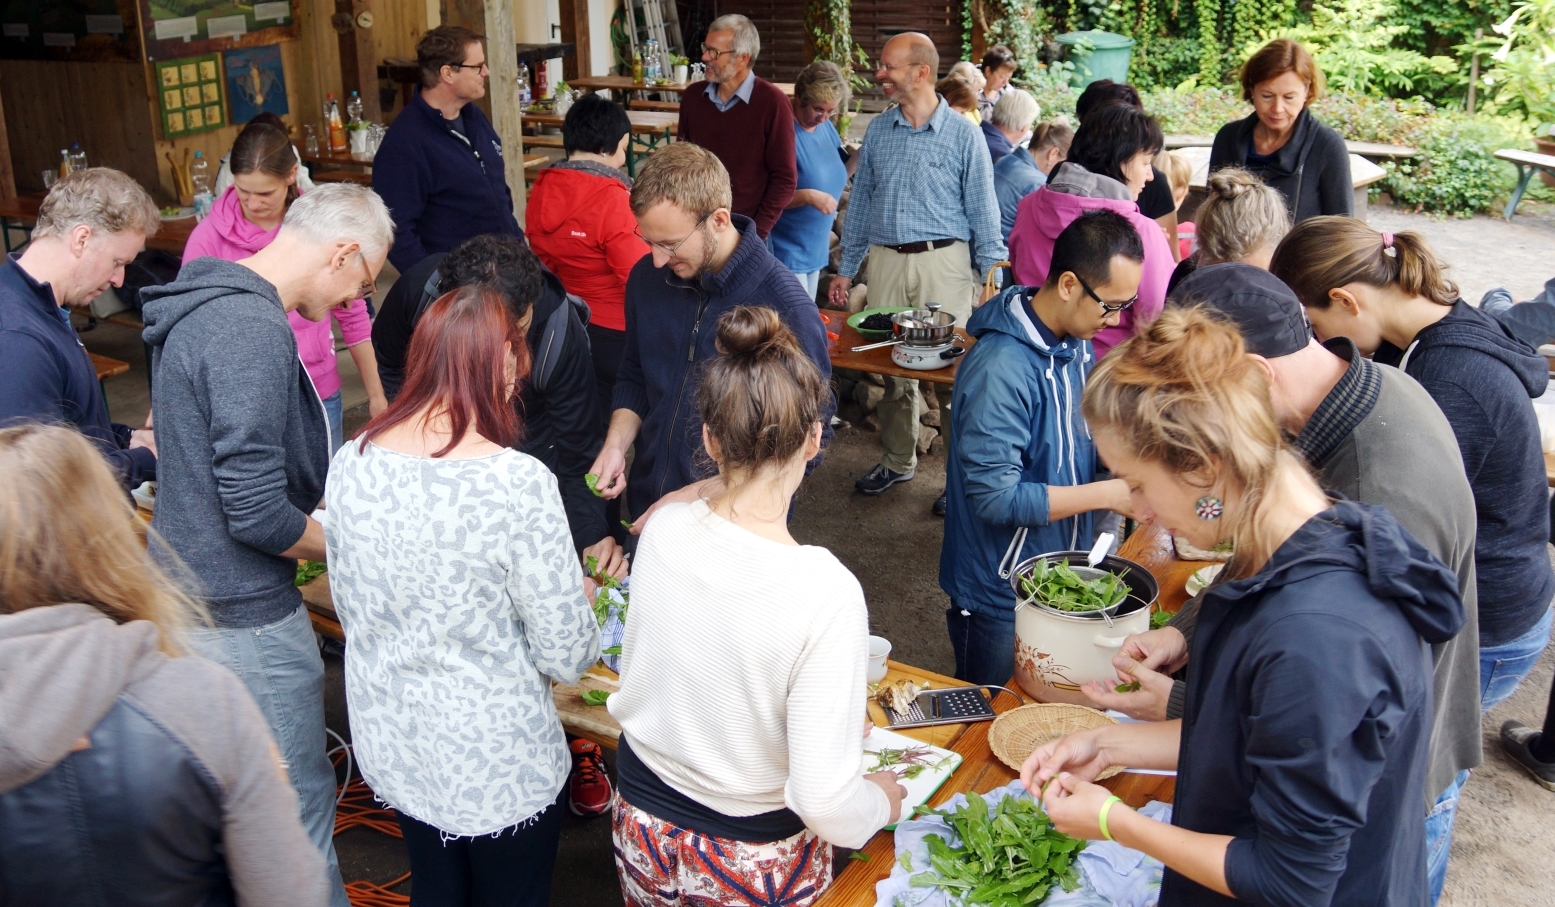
x: 1372, y: 434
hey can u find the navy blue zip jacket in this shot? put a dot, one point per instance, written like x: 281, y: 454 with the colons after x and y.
x: 1306, y: 731
x: 1482, y: 378
x: 46, y: 375
x: 1016, y: 430
x: 671, y: 325
x: 441, y: 187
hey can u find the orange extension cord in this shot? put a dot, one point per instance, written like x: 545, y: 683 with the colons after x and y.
x: 358, y: 809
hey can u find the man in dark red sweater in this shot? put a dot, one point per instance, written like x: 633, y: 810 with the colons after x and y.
x: 747, y: 122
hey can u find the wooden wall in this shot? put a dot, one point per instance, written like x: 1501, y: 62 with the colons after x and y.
x: 110, y: 110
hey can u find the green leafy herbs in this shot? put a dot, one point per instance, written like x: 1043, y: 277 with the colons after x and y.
x: 909, y: 762
x: 1058, y: 586
x: 627, y: 525
x: 905, y: 859
x: 308, y: 571
x: 1130, y: 687
x: 859, y: 856
x: 1008, y: 857
x: 602, y: 598
x: 592, y: 481
x: 1159, y: 619
x: 595, y: 697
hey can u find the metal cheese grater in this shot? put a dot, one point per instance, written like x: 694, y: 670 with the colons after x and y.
x: 956, y: 705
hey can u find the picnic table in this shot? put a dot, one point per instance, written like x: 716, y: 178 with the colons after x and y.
x: 1362, y: 174
x: 627, y: 83
x: 1527, y: 163
x: 1177, y: 141
x: 21, y: 212
x: 878, y: 361
x: 651, y: 129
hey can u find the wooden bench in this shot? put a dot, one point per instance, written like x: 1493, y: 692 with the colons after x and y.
x: 1367, y: 150
x: 543, y: 141
x: 107, y: 368
x: 667, y: 106
x: 1527, y: 163
x: 343, y: 176
x: 1363, y: 173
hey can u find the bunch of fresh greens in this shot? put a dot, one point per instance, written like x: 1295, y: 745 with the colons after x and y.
x: 1159, y: 618
x: 595, y: 697
x: 308, y: 571
x: 909, y: 762
x: 1011, y: 857
x: 1057, y: 586
x: 602, y: 598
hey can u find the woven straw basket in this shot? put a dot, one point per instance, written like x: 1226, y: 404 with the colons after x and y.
x: 1019, y: 731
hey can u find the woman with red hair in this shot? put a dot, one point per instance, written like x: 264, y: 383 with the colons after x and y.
x: 454, y: 577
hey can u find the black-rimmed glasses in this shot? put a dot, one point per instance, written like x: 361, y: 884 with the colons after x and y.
x: 1107, y: 307
x: 715, y: 52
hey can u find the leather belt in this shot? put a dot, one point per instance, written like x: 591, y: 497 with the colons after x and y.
x: 928, y: 245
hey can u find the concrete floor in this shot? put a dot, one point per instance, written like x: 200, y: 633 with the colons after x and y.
x: 1504, y: 846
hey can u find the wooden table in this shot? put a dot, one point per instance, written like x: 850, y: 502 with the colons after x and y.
x: 650, y: 130
x: 1549, y: 469
x: 21, y: 212
x: 328, y: 158
x: 879, y: 362
x: 627, y: 83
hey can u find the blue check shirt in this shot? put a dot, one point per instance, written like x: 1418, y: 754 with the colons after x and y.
x: 914, y: 185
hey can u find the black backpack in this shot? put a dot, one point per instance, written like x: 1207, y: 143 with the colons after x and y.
x: 553, y: 336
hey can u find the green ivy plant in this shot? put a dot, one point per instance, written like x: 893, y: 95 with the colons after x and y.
x: 830, y: 23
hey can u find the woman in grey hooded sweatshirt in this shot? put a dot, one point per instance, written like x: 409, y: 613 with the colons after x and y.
x: 126, y: 766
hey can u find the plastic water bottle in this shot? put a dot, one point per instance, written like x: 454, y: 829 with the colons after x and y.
x: 654, y: 64
x: 65, y: 162
x: 354, y: 109
x: 525, y: 94
x: 77, y: 157
x: 200, y: 182
x: 336, y: 126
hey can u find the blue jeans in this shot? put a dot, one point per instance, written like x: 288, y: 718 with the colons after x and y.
x: 811, y: 281
x: 1532, y: 321
x: 1501, y: 669
x: 983, y: 644
x: 334, y: 408
x: 279, y: 663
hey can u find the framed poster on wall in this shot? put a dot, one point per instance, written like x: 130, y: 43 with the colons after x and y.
x: 190, y: 95
x: 183, y: 28
x: 96, y: 31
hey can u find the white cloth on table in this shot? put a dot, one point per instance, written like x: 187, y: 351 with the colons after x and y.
x: 1111, y: 875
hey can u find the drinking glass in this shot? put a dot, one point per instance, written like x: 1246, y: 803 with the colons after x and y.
x: 310, y: 140
x: 49, y: 176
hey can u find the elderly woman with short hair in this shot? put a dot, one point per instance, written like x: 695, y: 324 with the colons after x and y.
x: 801, y: 237
x: 1242, y: 220
x: 1009, y: 125
x: 1281, y: 142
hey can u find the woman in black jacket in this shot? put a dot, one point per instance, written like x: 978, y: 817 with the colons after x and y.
x: 1283, y: 797
x: 1281, y: 141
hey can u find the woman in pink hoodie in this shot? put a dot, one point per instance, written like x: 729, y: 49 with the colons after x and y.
x: 244, y: 220
x: 1108, y: 165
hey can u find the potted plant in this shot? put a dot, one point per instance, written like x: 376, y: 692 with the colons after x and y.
x: 357, y: 133
x: 680, y: 67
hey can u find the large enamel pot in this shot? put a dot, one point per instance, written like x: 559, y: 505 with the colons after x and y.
x: 1057, y: 652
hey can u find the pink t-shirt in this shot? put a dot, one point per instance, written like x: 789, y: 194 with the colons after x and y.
x: 226, y: 234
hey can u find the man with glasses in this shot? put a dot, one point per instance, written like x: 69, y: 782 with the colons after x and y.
x: 1021, y: 467
x: 747, y: 122
x: 440, y: 167
x: 923, y: 208
x: 243, y: 446
x: 703, y: 262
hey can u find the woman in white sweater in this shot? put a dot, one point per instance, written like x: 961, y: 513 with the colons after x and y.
x: 453, y: 574
x: 742, y: 672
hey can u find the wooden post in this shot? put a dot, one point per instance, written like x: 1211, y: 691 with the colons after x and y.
x: 575, y: 30
x: 502, y: 89
x: 7, y: 175
x: 358, y: 69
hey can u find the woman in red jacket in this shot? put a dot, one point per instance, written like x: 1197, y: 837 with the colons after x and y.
x: 579, y: 221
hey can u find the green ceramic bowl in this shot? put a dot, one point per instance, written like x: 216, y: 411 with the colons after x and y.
x: 857, y: 318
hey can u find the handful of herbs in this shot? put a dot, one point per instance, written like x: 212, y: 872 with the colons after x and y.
x: 308, y: 571
x: 1009, y: 858
x: 1058, y: 586
x: 602, y: 599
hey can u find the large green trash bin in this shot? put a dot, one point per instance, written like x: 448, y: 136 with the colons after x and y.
x: 1098, y: 55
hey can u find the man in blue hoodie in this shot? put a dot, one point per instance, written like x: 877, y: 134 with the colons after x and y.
x: 1021, y: 471
x: 90, y: 226
x: 440, y: 167
x: 245, y: 448
x: 704, y: 262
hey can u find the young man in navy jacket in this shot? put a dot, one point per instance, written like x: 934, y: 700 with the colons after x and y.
x: 440, y: 167
x: 704, y: 261
x: 92, y: 224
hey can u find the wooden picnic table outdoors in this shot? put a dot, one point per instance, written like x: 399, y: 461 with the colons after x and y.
x: 21, y: 212
x: 878, y: 361
x: 627, y: 83
x: 1364, y: 149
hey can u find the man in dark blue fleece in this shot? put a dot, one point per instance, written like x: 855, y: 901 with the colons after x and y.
x: 704, y: 262
x: 245, y: 448
x: 90, y: 226
x: 1021, y: 469
x: 440, y: 167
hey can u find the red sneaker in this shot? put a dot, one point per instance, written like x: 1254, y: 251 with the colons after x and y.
x: 588, y: 790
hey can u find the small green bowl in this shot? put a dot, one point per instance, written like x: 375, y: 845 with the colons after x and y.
x: 857, y: 318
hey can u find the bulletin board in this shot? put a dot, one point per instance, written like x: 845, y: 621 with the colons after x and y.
x: 183, y: 28
x: 190, y: 96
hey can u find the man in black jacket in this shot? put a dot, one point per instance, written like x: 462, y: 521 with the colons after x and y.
x: 558, y: 403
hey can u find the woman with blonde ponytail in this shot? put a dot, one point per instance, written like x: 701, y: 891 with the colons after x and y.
x: 1283, y: 796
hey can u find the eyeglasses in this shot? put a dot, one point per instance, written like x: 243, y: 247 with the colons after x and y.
x: 883, y: 66
x: 668, y: 249
x: 482, y: 66
x: 715, y: 52
x: 367, y: 287
x: 1108, y: 308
